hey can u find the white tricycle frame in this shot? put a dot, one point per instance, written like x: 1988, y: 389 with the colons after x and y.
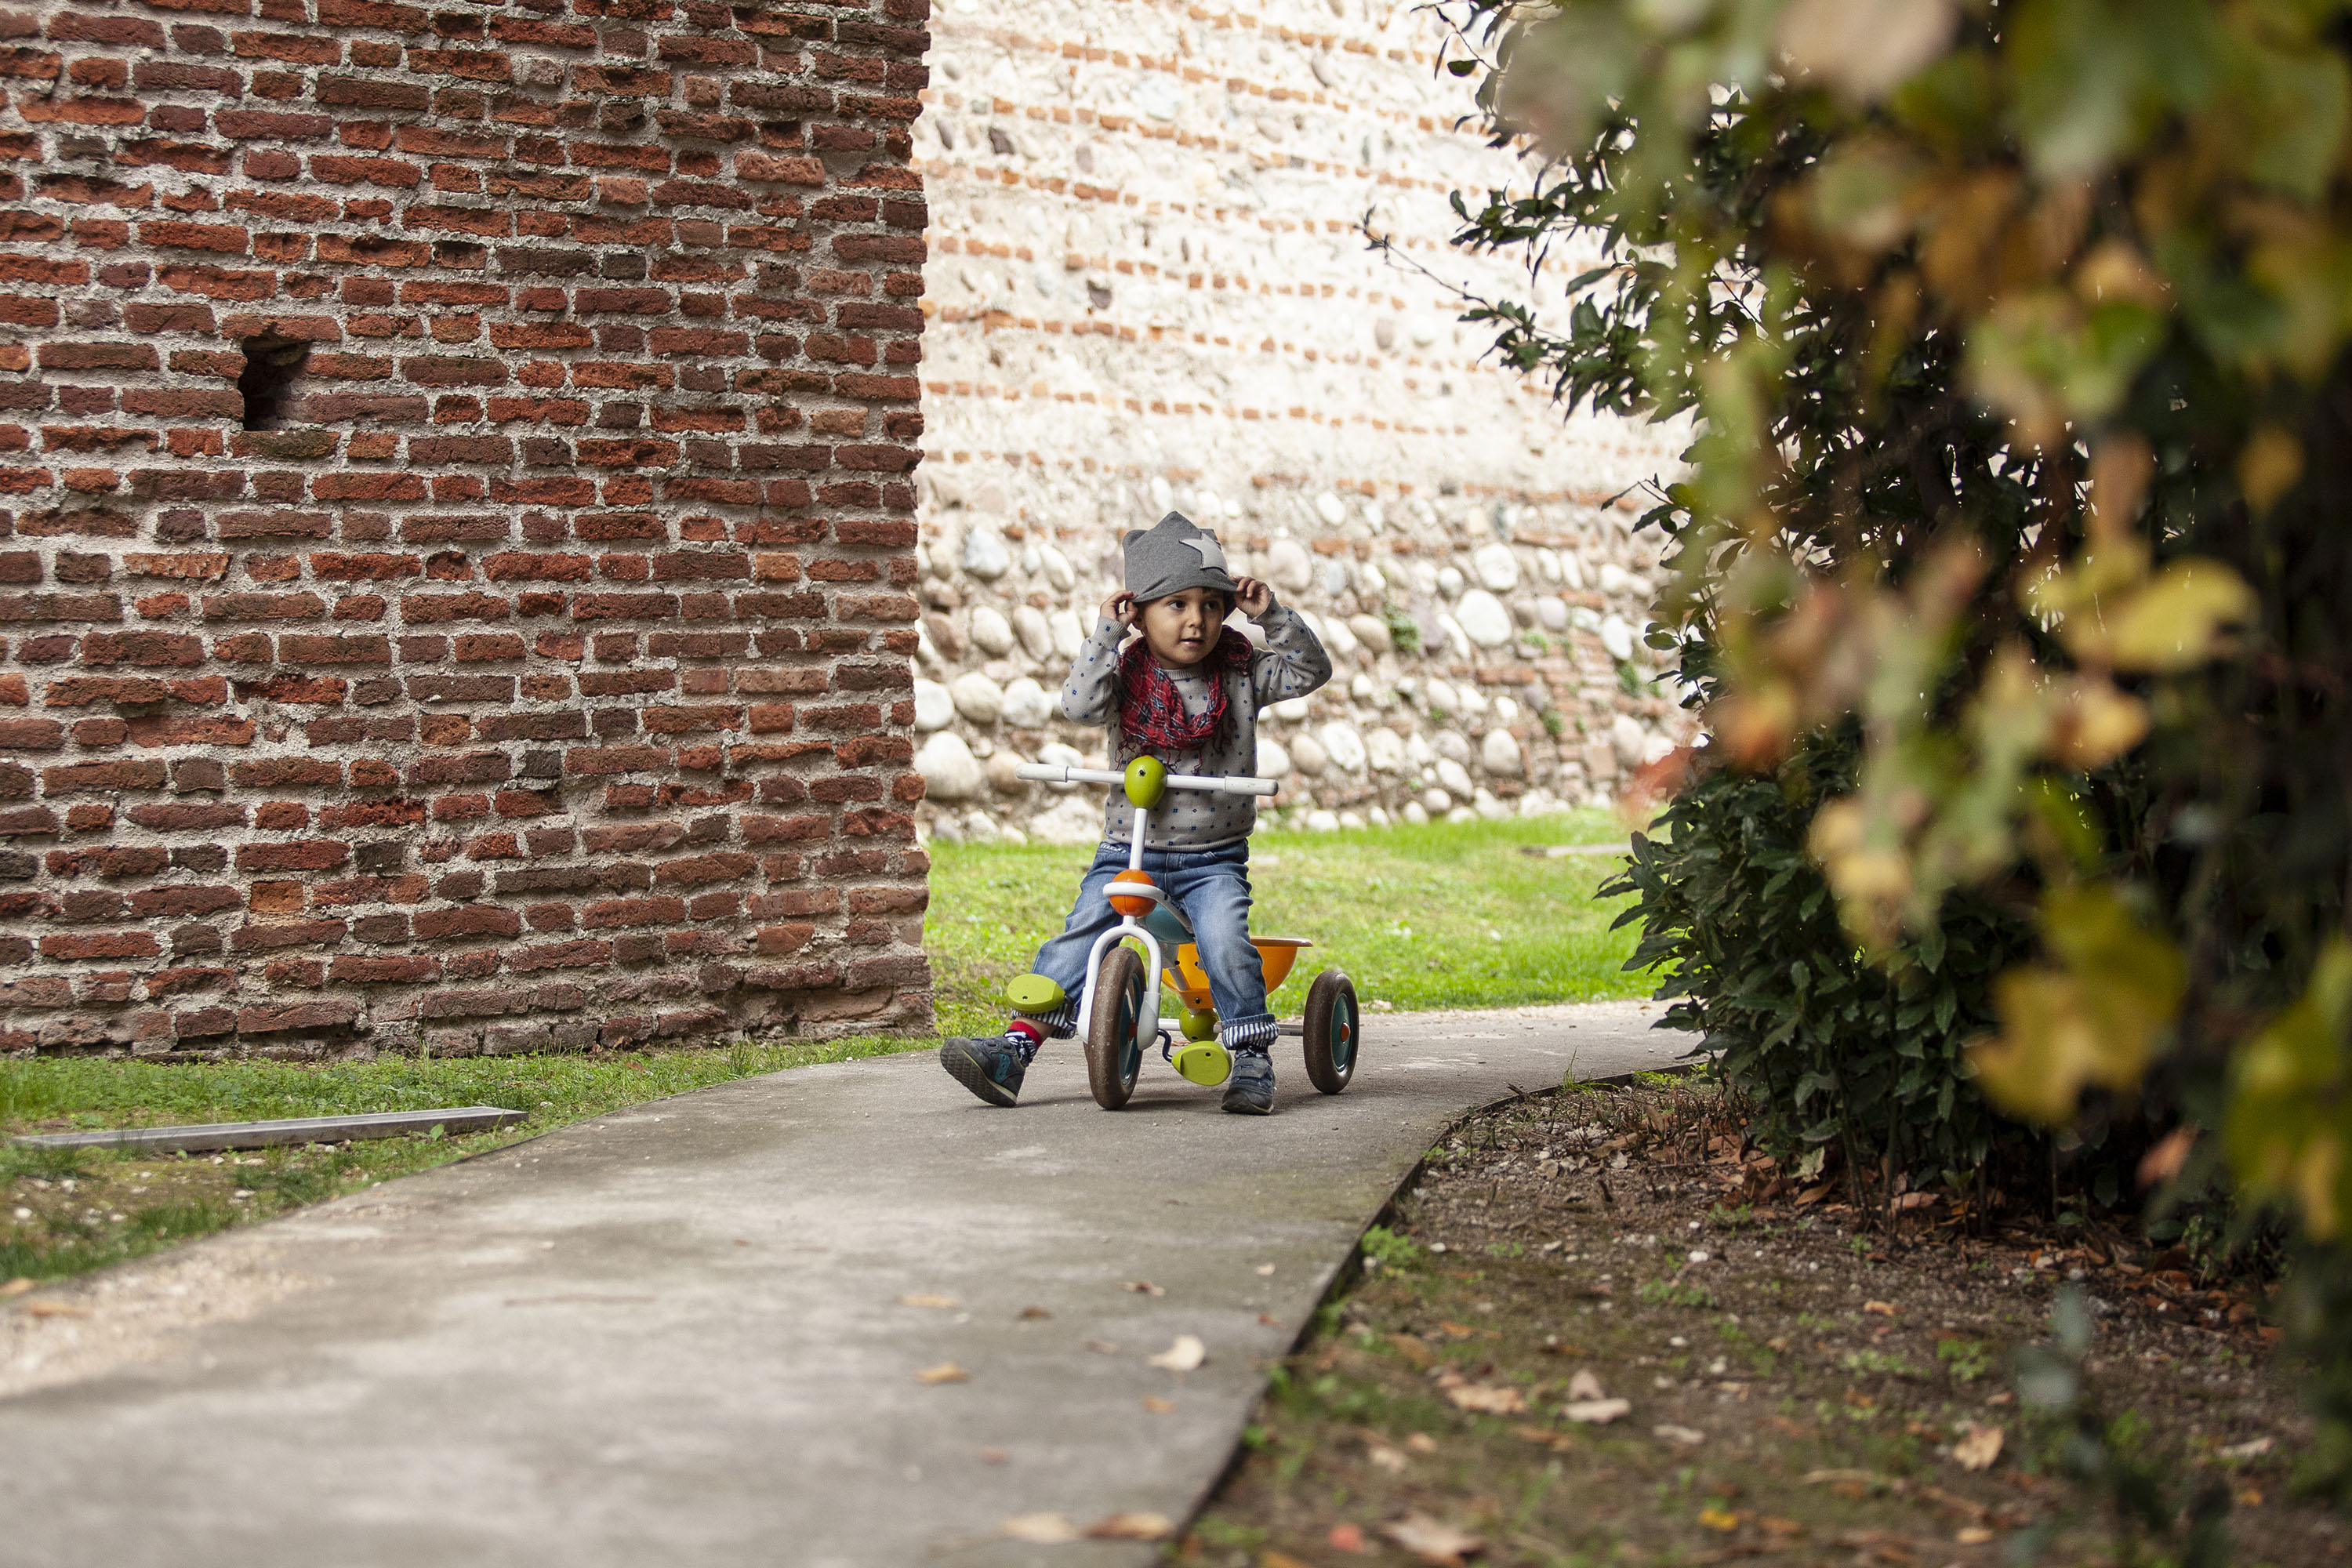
x: 1148, y: 1025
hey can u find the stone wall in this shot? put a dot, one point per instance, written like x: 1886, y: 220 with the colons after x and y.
x: 1146, y: 289
x: 456, y: 526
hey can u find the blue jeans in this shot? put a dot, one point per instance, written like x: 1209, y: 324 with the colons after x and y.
x: 1211, y: 887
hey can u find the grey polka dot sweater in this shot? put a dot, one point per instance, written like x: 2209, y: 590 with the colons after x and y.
x: 1292, y: 664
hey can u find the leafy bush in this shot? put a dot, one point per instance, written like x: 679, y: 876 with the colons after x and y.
x: 2017, y: 342
x: 1829, y: 1045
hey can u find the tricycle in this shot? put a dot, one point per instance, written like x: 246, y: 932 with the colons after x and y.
x: 1118, y: 1011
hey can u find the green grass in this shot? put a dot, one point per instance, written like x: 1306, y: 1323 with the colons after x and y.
x: 1443, y: 916
x: 168, y: 1198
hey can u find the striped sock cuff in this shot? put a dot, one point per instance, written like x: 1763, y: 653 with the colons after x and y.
x: 1061, y: 1023
x: 1256, y: 1033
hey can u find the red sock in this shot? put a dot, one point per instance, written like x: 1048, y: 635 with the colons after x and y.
x: 1023, y: 1026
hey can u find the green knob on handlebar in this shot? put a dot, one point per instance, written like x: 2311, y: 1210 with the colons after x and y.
x: 1147, y: 781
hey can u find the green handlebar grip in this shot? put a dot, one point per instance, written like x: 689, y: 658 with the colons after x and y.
x: 1147, y: 781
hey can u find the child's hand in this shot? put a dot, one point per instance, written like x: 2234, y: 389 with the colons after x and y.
x: 1252, y: 597
x: 1121, y: 607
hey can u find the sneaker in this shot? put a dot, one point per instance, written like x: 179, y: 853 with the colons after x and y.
x: 1250, y: 1092
x: 991, y: 1068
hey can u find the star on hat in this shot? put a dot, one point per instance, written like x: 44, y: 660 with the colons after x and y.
x: 1172, y: 555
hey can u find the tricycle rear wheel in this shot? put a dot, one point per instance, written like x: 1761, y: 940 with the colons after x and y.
x: 1113, y: 1048
x: 1330, y: 1031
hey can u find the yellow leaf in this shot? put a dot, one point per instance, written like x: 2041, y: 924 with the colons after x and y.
x: 925, y: 1300
x: 2175, y: 622
x: 2096, y: 724
x: 946, y: 1371
x: 1715, y: 1516
x: 2268, y: 466
x: 2096, y: 1020
x: 2046, y: 1051
x: 2286, y: 1129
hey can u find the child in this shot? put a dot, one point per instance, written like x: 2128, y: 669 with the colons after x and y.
x: 1187, y: 691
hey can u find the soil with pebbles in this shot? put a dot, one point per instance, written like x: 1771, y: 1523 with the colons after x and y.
x: 1800, y: 1382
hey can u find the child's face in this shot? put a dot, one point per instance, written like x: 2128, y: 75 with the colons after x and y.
x: 1183, y: 629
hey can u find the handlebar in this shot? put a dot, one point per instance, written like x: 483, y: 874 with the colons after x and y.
x: 1049, y: 772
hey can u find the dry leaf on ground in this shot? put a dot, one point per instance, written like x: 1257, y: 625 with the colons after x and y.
x: 1487, y: 1401
x: 54, y: 1310
x: 922, y: 1299
x: 1031, y: 1314
x: 1157, y: 1405
x: 1852, y: 1485
x: 946, y: 1371
x: 1186, y: 1353
x: 1584, y: 1385
x: 16, y: 1286
x: 1883, y: 1309
x: 1686, y: 1436
x: 1432, y: 1540
x: 1130, y: 1526
x: 1978, y: 1446
x: 1141, y: 1287
x: 1421, y: 1443
x: 1040, y: 1529
x: 1596, y: 1412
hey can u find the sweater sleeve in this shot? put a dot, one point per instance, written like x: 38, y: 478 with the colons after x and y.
x: 1090, y: 695
x: 1292, y: 663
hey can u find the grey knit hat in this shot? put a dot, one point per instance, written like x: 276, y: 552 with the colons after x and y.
x: 1172, y: 556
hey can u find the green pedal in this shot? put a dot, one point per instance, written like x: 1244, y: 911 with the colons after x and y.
x: 1205, y: 1062
x: 1034, y: 993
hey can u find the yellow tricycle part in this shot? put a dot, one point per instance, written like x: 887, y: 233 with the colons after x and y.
x: 1147, y: 781
x: 1276, y: 955
x: 1200, y: 1023
x: 1204, y: 1062
x: 1035, y: 994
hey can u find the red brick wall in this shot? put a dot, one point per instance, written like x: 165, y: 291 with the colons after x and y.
x: 544, y: 680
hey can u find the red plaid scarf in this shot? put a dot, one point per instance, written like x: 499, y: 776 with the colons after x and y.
x: 1152, y: 715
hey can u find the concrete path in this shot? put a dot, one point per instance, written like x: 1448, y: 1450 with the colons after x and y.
x: 690, y: 1333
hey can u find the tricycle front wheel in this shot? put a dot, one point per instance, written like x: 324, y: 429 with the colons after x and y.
x: 1330, y: 1031
x: 1113, y: 1048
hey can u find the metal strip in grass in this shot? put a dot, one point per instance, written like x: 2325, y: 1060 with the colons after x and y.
x: 453, y: 1122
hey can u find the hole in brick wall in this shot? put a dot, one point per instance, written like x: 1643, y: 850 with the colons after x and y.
x: 272, y: 364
